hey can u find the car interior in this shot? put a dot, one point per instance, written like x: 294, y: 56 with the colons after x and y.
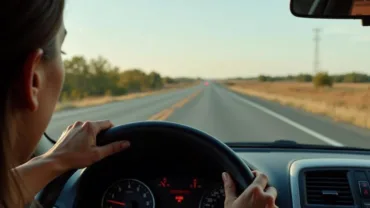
x: 174, y: 165
x: 182, y: 167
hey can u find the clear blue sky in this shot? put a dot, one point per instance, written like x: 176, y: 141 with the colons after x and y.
x: 211, y: 38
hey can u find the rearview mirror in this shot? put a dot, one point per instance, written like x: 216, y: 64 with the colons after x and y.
x: 333, y: 9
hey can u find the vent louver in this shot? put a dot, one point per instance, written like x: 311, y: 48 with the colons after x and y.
x: 328, y: 188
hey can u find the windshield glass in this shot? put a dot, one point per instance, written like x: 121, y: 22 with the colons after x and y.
x: 242, y: 71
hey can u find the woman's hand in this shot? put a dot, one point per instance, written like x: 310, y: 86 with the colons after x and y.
x: 77, y: 148
x: 255, y: 196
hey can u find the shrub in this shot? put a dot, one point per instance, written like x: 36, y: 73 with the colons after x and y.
x: 322, y: 79
x: 263, y: 78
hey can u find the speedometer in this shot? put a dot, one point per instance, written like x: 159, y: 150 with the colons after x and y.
x: 128, y: 193
x: 213, y: 198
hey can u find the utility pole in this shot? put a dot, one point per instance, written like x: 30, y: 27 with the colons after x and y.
x: 316, y: 64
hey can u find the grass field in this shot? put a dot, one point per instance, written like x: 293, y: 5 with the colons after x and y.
x: 94, y: 101
x: 344, y: 102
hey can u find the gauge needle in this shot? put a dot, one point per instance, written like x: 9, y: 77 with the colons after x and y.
x: 116, y: 202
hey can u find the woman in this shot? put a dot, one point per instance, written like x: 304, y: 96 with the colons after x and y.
x: 31, y: 39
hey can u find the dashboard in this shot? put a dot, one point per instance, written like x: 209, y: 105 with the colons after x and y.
x: 166, y: 178
x: 304, y: 178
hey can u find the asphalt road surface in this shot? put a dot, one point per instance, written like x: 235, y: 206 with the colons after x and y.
x: 228, y: 116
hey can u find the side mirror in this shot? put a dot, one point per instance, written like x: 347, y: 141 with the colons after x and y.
x: 332, y: 9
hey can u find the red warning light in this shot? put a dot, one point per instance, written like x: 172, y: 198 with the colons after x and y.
x: 179, y: 199
x: 164, y: 183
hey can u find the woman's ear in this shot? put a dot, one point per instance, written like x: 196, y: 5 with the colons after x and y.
x: 31, y: 80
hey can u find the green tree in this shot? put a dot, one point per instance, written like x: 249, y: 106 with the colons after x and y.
x: 100, y: 79
x: 322, y: 79
x: 263, y: 78
x: 134, y: 80
x: 356, y: 78
x: 97, y: 77
x: 114, y: 77
x: 76, y: 76
x: 155, y: 80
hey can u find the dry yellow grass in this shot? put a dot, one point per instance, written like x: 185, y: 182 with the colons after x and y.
x: 94, y: 101
x: 344, y: 102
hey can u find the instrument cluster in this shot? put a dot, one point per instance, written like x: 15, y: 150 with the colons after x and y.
x: 166, y: 191
x: 153, y: 176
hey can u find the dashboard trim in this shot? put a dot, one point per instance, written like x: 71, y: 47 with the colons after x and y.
x: 298, y: 165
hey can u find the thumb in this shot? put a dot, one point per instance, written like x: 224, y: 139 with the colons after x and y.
x: 109, y: 149
x: 230, y: 193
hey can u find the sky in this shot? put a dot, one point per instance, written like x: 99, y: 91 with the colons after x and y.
x: 212, y: 38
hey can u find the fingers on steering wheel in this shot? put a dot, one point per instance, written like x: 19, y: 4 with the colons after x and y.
x: 270, y: 196
x: 77, y: 123
x: 94, y: 127
x: 255, y: 190
x: 110, y: 149
x: 260, y: 180
x: 230, y: 191
x: 102, y: 125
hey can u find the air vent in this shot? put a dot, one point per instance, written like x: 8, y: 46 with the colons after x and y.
x: 328, y: 188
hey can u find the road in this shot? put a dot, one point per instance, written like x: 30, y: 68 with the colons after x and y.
x: 228, y: 116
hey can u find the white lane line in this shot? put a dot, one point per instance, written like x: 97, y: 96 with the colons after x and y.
x: 288, y: 121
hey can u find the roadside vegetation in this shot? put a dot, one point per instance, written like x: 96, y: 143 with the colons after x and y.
x: 344, y: 97
x: 352, y: 77
x: 96, y: 81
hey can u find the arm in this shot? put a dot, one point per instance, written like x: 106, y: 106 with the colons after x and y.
x: 37, y: 173
x: 75, y: 149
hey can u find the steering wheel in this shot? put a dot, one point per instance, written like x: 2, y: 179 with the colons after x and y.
x: 144, y: 134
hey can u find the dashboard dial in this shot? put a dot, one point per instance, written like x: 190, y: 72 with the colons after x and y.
x: 128, y: 193
x: 214, y: 198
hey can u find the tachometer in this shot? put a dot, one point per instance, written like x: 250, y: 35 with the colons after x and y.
x: 128, y: 193
x: 214, y: 198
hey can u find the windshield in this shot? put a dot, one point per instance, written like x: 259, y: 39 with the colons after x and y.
x: 242, y: 71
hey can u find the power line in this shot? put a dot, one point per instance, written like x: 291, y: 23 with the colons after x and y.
x: 316, y: 64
